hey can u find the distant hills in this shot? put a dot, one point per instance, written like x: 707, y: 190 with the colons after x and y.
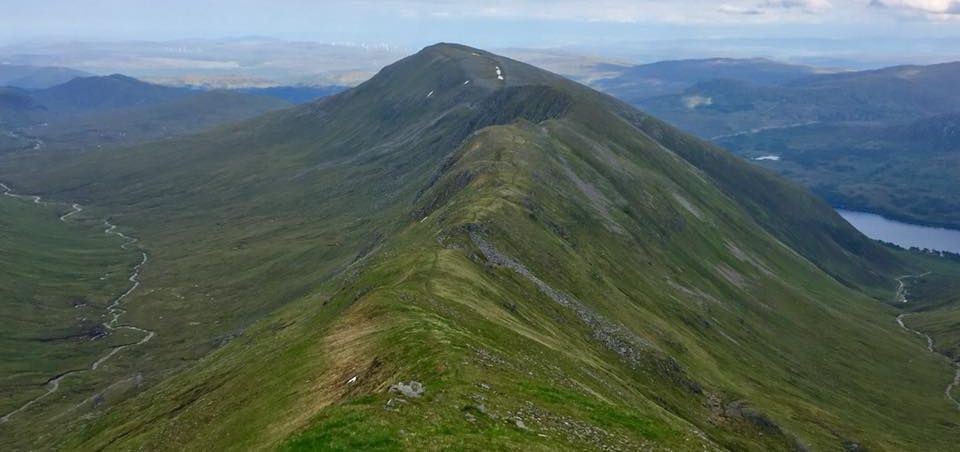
x: 729, y: 106
x: 904, y: 171
x: 295, y: 94
x: 36, y: 77
x: 92, y: 112
x: 217, y: 63
x: 637, y: 83
x: 468, y: 252
x: 105, y: 93
x: 879, y: 140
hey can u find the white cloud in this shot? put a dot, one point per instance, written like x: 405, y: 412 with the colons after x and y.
x: 931, y: 8
x: 620, y: 11
x: 704, y: 12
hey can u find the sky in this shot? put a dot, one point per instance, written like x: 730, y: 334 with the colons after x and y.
x: 609, y: 26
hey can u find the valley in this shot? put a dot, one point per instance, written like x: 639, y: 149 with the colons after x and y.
x: 67, y: 294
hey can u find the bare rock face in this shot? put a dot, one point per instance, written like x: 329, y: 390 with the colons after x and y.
x: 413, y: 389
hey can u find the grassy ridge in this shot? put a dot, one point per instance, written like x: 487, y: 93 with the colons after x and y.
x: 559, y: 271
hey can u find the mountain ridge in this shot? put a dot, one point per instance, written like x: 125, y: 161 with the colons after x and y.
x: 558, y: 270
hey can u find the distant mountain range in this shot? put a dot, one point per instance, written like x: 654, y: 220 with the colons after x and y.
x: 636, y: 83
x: 727, y: 106
x: 92, y: 112
x: 213, y: 62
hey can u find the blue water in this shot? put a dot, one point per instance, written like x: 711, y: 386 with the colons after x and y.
x: 904, y: 234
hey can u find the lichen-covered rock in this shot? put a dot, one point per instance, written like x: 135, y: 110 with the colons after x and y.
x: 413, y: 389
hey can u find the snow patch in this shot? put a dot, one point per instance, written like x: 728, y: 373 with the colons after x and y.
x: 692, y: 102
x: 499, y: 74
x: 466, y: 82
x: 430, y: 94
x: 771, y: 157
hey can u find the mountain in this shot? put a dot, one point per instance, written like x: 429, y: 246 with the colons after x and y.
x: 36, y: 77
x: 116, y: 110
x: 636, y: 83
x: 106, y: 92
x: 467, y: 252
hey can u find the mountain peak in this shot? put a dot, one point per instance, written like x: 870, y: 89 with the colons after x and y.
x: 447, y: 74
x: 450, y: 47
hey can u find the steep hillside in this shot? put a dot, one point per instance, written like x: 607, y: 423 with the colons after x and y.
x: 467, y: 252
x: 17, y: 107
x: 881, y: 140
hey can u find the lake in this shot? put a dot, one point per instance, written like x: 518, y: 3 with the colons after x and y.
x: 904, y: 234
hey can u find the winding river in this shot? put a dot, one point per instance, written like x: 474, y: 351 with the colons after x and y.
x: 114, y: 309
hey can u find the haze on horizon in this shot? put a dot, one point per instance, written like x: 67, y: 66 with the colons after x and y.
x: 857, y: 32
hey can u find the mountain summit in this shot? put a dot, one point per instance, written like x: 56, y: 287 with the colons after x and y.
x: 469, y: 252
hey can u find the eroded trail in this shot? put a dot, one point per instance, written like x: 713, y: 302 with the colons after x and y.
x: 114, y: 309
x: 902, y: 288
x: 902, y: 298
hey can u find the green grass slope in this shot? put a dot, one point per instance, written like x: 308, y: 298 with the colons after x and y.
x: 559, y: 271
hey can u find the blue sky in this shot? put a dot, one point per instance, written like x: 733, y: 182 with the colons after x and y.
x: 613, y: 25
